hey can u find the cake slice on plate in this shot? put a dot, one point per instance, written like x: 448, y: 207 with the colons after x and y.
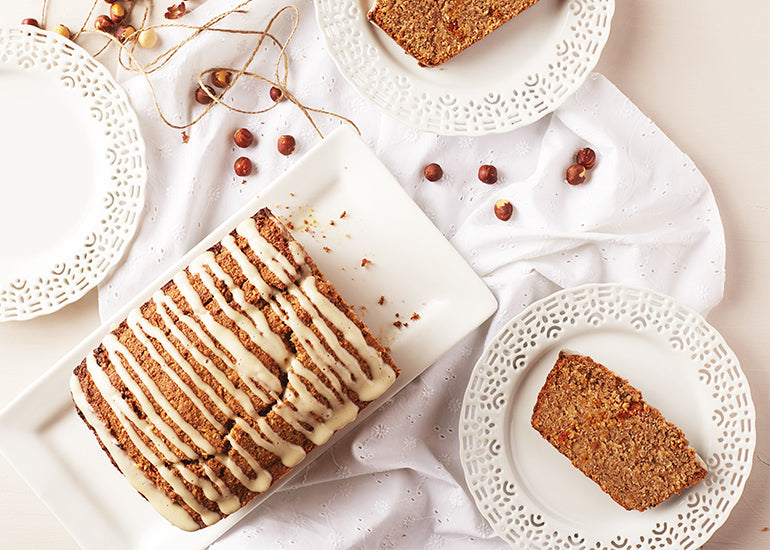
x: 601, y: 423
x: 433, y: 32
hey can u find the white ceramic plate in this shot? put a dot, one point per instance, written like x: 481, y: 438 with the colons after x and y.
x: 514, y: 76
x: 413, y: 266
x: 532, y: 496
x: 72, y: 172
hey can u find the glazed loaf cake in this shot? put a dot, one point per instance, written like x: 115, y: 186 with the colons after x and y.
x: 602, y: 424
x: 433, y: 32
x: 213, y: 389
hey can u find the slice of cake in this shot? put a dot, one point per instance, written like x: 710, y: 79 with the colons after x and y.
x: 433, y: 32
x: 223, y: 381
x: 602, y: 424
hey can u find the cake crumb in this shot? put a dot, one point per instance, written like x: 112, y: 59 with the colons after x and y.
x: 344, y: 213
x: 381, y: 301
x: 185, y: 137
x: 414, y: 316
x: 327, y: 249
x: 365, y: 262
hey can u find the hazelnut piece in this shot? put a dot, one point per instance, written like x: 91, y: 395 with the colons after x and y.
x: 124, y: 32
x: 586, y: 157
x: 62, y: 30
x: 221, y: 78
x: 488, y: 174
x: 433, y: 172
x: 117, y: 13
x: 243, y: 138
x: 148, y: 38
x: 286, y: 145
x: 30, y: 21
x: 202, y: 97
x: 576, y: 174
x: 504, y: 209
x: 242, y: 166
x: 104, y: 24
x: 276, y: 94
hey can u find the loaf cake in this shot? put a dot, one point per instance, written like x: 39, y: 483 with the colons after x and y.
x: 601, y: 423
x: 433, y: 32
x: 224, y: 380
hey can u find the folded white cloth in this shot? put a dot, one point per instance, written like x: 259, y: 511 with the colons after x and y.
x: 646, y: 217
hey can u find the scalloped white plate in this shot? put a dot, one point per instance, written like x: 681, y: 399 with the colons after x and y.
x: 72, y: 172
x: 532, y: 495
x: 42, y: 436
x: 513, y: 77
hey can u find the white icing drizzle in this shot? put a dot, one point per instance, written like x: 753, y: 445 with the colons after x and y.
x: 123, y: 410
x: 289, y: 453
x: 127, y: 417
x: 245, y: 361
x: 248, y: 269
x: 113, y: 346
x: 141, y: 329
x: 158, y: 499
x: 258, y: 484
x: 256, y: 325
x: 382, y: 376
x: 165, y: 303
x: 276, y: 262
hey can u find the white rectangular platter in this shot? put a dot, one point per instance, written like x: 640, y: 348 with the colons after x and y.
x: 344, y: 207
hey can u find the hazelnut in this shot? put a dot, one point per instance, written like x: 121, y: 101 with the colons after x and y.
x: 586, y: 157
x: 243, y: 138
x: 221, y: 78
x: 433, y: 172
x: 286, y: 145
x: 242, y: 167
x: 30, y: 21
x: 204, y: 98
x: 147, y: 38
x: 104, y: 24
x: 276, y: 94
x: 62, y: 30
x: 488, y: 174
x: 504, y: 209
x: 117, y: 13
x: 576, y: 174
x: 124, y: 32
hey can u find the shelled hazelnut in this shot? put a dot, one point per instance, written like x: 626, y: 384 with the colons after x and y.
x: 62, y: 30
x: 276, y: 94
x: 488, y: 174
x: 286, y: 145
x: 117, y: 13
x: 147, y: 38
x: 221, y: 78
x: 433, y: 172
x: 243, y: 138
x: 586, y: 157
x: 202, y: 97
x: 104, y: 24
x: 30, y: 21
x: 576, y: 174
x: 242, y: 166
x: 504, y: 209
x: 123, y: 32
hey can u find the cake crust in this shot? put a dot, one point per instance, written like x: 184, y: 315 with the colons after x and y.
x: 222, y: 382
x: 433, y: 32
x: 605, y: 428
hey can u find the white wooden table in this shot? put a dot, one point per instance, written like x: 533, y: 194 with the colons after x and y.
x: 701, y: 70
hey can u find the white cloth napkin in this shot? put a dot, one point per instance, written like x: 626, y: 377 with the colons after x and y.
x: 646, y: 217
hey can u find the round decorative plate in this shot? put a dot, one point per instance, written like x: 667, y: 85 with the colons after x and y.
x: 532, y: 495
x: 514, y: 76
x: 72, y: 172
